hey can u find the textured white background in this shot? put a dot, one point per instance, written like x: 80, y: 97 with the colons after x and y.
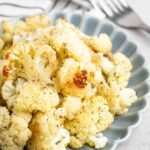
x: 140, y: 138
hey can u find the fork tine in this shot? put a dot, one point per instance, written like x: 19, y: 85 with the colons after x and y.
x: 105, y: 8
x: 123, y: 4
x: 97, y: 6
x: 117, y: 6
x: 114, y: 10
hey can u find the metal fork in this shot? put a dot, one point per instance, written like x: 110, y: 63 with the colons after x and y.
x: 120, y: 13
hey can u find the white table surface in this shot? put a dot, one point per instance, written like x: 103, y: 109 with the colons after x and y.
x: 140, y: 137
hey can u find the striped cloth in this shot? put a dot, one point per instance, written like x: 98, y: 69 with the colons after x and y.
x: 22, y: 8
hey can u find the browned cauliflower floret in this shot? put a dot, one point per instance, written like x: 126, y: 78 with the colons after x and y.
x: 100, y: 44
x: 35, y: 96
x: 68, y: 44
x: 47, y: 133
x: 93, y: 118
x: 32, y: 60
x: 78, y: 79
x: 14, y: 130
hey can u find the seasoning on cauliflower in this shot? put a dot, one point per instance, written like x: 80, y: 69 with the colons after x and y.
x: 100, y: 44
x: 78, y: 79
x: 35, y: 96
x: 47, y: 133
x: 93, y: 118
x: 14, y: 130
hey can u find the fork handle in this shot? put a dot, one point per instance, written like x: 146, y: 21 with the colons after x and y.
x: 145, y: 27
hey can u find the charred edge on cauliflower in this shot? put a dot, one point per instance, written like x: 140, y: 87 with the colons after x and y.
x: 80, y: 79
x: 7, y: 69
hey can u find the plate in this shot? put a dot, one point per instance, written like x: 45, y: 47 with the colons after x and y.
x: 122, y: 127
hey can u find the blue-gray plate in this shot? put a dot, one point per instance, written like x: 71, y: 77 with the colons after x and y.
x: 122, y: 127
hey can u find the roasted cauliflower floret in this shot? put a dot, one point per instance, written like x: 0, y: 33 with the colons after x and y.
x: 35, y: 96
x: 10, y: 89
x: 72, y: 106
x: 9, y: 92
x: 99, y: 141
x: 105, y: 117
x: 60, y: 140
x: 118, y: 100
x: 67, y: 43
x: 14, y: 130
x: 108, y: 68
x: 125, y: 99
x: 122, y: 73
x: 33, y: 61
x: 48, y: 133
x: 93, y: 118
x: 100, y: 44
x: 78, y: 79
x: 44, y: 64
x: 120, y: 59
x: 109, y: 94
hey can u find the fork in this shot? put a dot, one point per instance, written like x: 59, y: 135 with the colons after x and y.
x: 120, y: 13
